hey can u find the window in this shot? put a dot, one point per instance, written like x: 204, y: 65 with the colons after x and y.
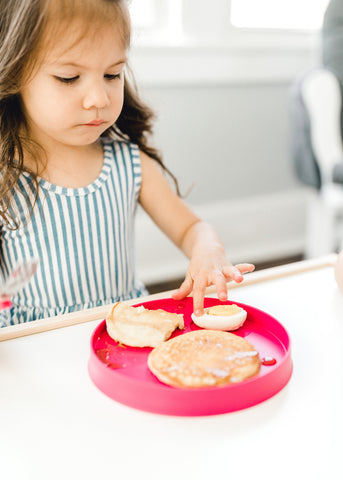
x: 176, y: 22
x: 278, y: 14
x: 220, y: 41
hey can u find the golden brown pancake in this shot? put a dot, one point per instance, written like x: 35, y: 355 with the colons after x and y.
x: 140, y: 327
x: 204, y: 358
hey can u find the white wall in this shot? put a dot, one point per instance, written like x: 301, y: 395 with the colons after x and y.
x: 229, y: 141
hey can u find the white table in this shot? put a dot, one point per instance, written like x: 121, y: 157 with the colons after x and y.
x: 55, y: 424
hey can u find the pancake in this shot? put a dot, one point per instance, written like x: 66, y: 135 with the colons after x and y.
x: 140, y: 327
x: 204, y: 358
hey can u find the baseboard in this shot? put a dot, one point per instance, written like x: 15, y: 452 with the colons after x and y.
x: 254, y: 229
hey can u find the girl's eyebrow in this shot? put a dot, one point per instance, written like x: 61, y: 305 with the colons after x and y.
x: 73, y: 64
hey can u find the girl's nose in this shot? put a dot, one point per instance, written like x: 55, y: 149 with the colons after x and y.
x: 96, y: 96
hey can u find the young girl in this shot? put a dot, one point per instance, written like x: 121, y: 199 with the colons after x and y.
x: 75, y: 160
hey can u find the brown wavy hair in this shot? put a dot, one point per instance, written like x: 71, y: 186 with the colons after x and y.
x: 28, y: 28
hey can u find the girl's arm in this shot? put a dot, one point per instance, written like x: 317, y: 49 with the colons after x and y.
x: 198, y: 240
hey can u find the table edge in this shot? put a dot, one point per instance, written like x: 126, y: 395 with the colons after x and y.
x: 99, y: 313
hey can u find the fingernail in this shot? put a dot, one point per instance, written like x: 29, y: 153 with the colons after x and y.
x: 223, y: 296
x: 197, y: 312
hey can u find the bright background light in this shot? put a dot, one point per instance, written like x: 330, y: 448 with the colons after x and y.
x: 276, y: 14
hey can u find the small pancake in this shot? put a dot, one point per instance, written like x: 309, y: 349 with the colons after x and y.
x: 204, y: 358
x: 140, y: 327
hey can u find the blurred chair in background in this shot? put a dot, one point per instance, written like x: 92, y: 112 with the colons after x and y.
x: 316, y: 134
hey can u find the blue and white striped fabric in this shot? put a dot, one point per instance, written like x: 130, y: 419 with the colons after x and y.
x: 83, y: 238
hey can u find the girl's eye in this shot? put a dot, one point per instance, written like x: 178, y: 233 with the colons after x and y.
x: 67, y: 79
x: 113, y: 77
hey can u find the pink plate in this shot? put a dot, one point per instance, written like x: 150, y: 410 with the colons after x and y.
x: 122, y: 373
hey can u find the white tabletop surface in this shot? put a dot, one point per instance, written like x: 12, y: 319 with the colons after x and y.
x: 55, y: 424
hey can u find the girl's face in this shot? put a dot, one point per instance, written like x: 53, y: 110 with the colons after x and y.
x: 77, y: 92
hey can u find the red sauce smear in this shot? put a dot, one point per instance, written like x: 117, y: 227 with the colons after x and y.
x: 268, y: 361
x: 104, y: 354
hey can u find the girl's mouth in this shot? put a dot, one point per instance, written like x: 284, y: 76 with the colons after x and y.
x: 95, y: 123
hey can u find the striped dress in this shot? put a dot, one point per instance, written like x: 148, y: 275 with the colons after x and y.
x: 83, y: 239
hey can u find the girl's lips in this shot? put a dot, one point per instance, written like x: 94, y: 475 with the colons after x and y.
x: 95, y: 123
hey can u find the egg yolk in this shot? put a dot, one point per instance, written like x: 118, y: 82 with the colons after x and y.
x: 224, y: 310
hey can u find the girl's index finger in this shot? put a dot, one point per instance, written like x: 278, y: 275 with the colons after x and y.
x: 198, y: 297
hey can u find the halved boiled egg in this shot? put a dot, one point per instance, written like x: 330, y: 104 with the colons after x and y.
x: 221, y: 317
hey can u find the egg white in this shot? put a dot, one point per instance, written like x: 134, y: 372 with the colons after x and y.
x: 220, y: 322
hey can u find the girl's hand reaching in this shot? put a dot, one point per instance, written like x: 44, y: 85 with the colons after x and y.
x: 208, y: 266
